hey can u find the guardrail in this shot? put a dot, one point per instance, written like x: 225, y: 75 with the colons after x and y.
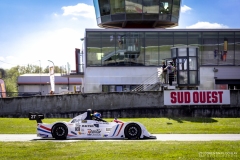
x: 18, y: 94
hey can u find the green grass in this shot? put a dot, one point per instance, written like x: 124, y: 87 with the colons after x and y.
x: 126, y: 150
x: 153, y: 125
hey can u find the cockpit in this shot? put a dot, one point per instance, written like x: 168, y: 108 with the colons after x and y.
x: 86, y: 116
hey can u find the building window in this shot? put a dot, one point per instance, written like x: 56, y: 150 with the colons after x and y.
x: 93, y: 48
x: 118, y: 88
x: 165, y: 45
x: 237, y: 48
x: 104, y: 7
x: 108, y: 56
x: 151, y: 6
x: 117, y: 6
x: 180, y: 38
x: 165, y: 6
x: 96, y: 6
x: 175, y: 10
x: 134, y: 6
x: 210, y: 52
x: 133, y: 9
x: 226, y: 48
x: 151, y: 49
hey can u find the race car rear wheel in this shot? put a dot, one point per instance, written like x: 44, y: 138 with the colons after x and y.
x: 59, y: 131
x: 132, y: 131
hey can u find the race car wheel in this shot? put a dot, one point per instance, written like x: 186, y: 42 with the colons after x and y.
x: 132, y: 131
x: 59, y: 131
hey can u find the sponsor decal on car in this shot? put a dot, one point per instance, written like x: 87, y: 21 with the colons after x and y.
x: 108, y: 129
x: 105, y: 135
x: 84, y: 121
x: 77, y: 128
x: 96, y: 125
x: 96, y: 132
x: 102, y: 122
x: 44, y: 129
x: 118, y: 130
x: 80, y: 133
x: 87, y: 125
x: 73, y: 133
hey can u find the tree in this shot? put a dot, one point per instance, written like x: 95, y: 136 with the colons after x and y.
x: 30, y: 69
x: 11, y: 75
x: 2, y: 73
x: 57, y: 69
x: 11, y: 79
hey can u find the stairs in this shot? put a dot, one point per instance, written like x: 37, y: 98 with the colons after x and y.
x: 110, y: 54
x: 154, y: 82
x: 150, y: 84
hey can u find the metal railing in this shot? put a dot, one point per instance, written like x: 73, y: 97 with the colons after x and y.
x: 154, y: 82
x: 18, y: 94
x: 150, y: 83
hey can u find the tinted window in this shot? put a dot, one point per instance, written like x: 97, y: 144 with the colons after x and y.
x: 117, y: 6
x: 104, y: 7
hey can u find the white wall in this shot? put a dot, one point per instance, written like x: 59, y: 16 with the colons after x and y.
x: 207, y: 80
x: 44, y: 89
x: 95, y: 77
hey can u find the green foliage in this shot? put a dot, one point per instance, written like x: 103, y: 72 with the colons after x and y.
x: 11, y: 75
x: 29, y: 69
x: 2, y: 73
x: 11, y: 79
x: 57, y: 69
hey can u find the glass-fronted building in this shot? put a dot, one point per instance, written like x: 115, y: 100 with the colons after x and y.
x: 121, y: 59
x: 137, y: 13
x: 147, y: 47
x: 131, y: 50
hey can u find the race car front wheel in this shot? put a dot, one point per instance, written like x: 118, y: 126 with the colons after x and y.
x: 132, y: 131
x: 59, y: 131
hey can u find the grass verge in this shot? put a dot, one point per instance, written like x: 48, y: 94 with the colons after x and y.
x: 119, y: 150
x: 153, y: 125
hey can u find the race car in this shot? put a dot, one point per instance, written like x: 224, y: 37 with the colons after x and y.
x: 89, y: 126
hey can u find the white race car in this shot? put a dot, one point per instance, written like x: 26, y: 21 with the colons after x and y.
x: 88, y: 126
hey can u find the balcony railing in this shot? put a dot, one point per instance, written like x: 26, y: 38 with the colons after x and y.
x: 18, y: 94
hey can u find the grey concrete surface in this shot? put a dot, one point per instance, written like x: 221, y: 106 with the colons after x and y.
x: 160, y: 137
x: 120, y: 104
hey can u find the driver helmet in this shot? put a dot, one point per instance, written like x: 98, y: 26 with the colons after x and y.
x: 96, y: 114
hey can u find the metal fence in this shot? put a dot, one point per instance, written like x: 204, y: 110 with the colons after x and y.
x: 18, y: 94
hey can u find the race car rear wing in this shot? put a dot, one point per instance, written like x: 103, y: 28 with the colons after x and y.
x: 36, y: 116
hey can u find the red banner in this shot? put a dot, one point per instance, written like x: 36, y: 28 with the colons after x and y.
x: 197, y: 97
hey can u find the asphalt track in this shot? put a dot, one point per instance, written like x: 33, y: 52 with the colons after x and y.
x: 160, y: 137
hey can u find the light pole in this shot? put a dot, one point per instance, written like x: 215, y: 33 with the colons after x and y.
x: 81, y: 56
x: 51, y: 62
x: 52, y: 81
x: 40, y: 76
x: 82, y: 67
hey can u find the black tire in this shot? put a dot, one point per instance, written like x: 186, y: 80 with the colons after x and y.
x: 132, y: 131
x: 59, y: 131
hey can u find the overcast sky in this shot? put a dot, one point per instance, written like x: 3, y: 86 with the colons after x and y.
x: 35, y: 31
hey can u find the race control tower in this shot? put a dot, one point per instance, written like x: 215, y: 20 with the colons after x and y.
x: 137, y: 13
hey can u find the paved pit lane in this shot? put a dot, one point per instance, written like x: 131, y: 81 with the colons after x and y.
x: 160, y: 137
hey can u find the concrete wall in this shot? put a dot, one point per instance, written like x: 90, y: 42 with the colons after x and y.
x: 121, y: 104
